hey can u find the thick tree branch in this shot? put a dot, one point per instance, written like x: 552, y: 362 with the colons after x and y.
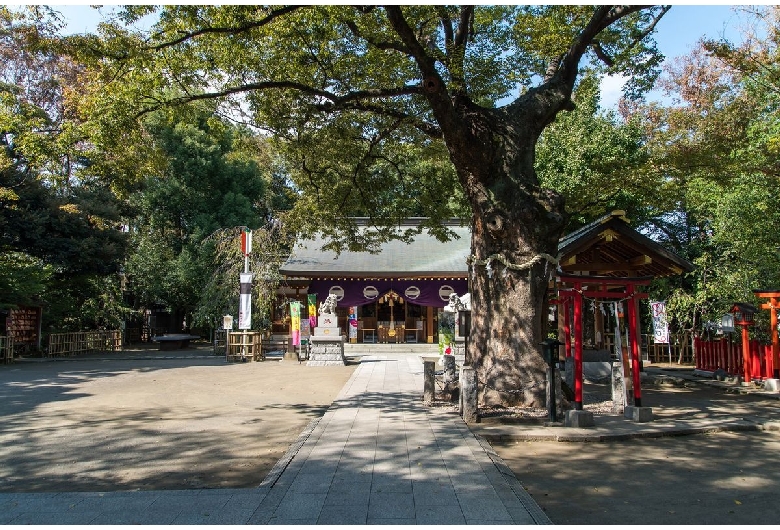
x: 436, y: 91
x: 446, y: 24
x: 329, y: 102
x: 464, y: 26
x: 273, y: 15
x: 381, y: 45
x: 425, y: 62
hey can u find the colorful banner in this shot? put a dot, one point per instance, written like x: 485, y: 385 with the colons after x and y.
x: 295, y: 323
x: 660, y: 325
x: 245, y: 302
x: 312, y: 299
x: 353, y: 322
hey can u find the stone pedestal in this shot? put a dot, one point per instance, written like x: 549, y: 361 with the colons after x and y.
x: 327, y: 344
x: 772, y: 385
x: 638, y: 414
x: 326, y: 351
x: 579, y: 419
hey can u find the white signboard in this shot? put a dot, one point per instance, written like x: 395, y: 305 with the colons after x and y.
x: 660, y: 326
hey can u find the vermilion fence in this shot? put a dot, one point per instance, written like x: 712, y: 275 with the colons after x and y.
x: 727, y: 355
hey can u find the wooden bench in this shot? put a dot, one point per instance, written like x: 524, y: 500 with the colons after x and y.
x: 175, y: 341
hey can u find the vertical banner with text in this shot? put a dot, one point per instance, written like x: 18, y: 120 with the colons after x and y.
x: 660, y: 326
x: 353, y: 324
x: 312, y: 299
x: 245, y: 302
x: 295, y: 323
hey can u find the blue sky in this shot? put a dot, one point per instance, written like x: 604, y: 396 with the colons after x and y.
x: 677, y: 33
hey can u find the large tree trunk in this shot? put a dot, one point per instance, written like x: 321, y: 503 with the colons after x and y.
x: 509, y: 318
x: 515, y: 231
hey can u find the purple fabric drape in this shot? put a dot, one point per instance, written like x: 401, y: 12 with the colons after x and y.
x: 356, y: 292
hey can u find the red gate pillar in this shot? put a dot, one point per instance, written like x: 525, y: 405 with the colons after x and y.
x: 578, y: 346
x: 567, y: 326
x: 632, y: 317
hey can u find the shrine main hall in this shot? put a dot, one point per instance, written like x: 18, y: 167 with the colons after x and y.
x: 400, y: 290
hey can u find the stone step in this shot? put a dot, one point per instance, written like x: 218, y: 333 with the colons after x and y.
x: 389, y: 349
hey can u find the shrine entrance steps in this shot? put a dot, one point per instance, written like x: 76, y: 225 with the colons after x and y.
x: 390, y: 349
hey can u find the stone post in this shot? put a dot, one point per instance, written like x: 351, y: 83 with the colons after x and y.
x: 449, y: 368
x: 429, y: 383
x: 468, y: 394
x: 618, y: 392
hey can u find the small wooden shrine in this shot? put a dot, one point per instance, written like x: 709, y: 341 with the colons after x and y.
x: 608, y: 262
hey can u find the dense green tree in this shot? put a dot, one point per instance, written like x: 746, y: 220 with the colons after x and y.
x: 60, y: 231
x: 718, y: 201
x: 594, y: 159
x: 211, y: 179
x: 346, y: 88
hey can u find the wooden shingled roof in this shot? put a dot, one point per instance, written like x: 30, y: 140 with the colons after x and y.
x: 610, y: 247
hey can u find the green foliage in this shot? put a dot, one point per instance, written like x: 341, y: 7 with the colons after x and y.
x: 339, y: 86
x: 214, y: 178
x: 719, y: 203
x: 595, y: 161
x: 23, y: 279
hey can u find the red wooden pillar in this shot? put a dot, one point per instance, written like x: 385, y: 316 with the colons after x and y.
x: 772, y: 305
x: 567, y: 325
x: 745, y: 355
x: 578, y: 346
x: 632, y: 320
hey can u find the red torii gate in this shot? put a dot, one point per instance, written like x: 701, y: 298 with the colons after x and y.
x: 623, y: 289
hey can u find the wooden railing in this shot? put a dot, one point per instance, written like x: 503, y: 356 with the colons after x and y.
x: 6, y: 350
x: 84, y: 342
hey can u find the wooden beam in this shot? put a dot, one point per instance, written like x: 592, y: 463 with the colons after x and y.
x: 644, y: 259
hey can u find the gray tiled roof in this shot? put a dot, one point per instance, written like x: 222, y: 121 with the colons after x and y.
x: 425, y: 256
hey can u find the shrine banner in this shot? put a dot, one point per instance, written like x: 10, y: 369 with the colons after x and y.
x: 353, y: 323
x: 245, y: 302
x: 295, y: 323
x: 312, y: 299
x: 660, y: 325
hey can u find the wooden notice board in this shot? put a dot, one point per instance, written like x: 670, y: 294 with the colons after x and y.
x: 24, y: 325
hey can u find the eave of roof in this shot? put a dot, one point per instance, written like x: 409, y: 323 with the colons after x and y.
x: 426, y: 256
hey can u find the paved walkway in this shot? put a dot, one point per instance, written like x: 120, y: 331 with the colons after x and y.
x: 377, y: 456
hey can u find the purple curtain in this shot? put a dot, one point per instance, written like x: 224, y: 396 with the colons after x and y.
x: 435, y: 292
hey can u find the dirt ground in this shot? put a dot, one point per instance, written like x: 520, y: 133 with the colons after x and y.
x: 154, y: 424
x: 720, y: 478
